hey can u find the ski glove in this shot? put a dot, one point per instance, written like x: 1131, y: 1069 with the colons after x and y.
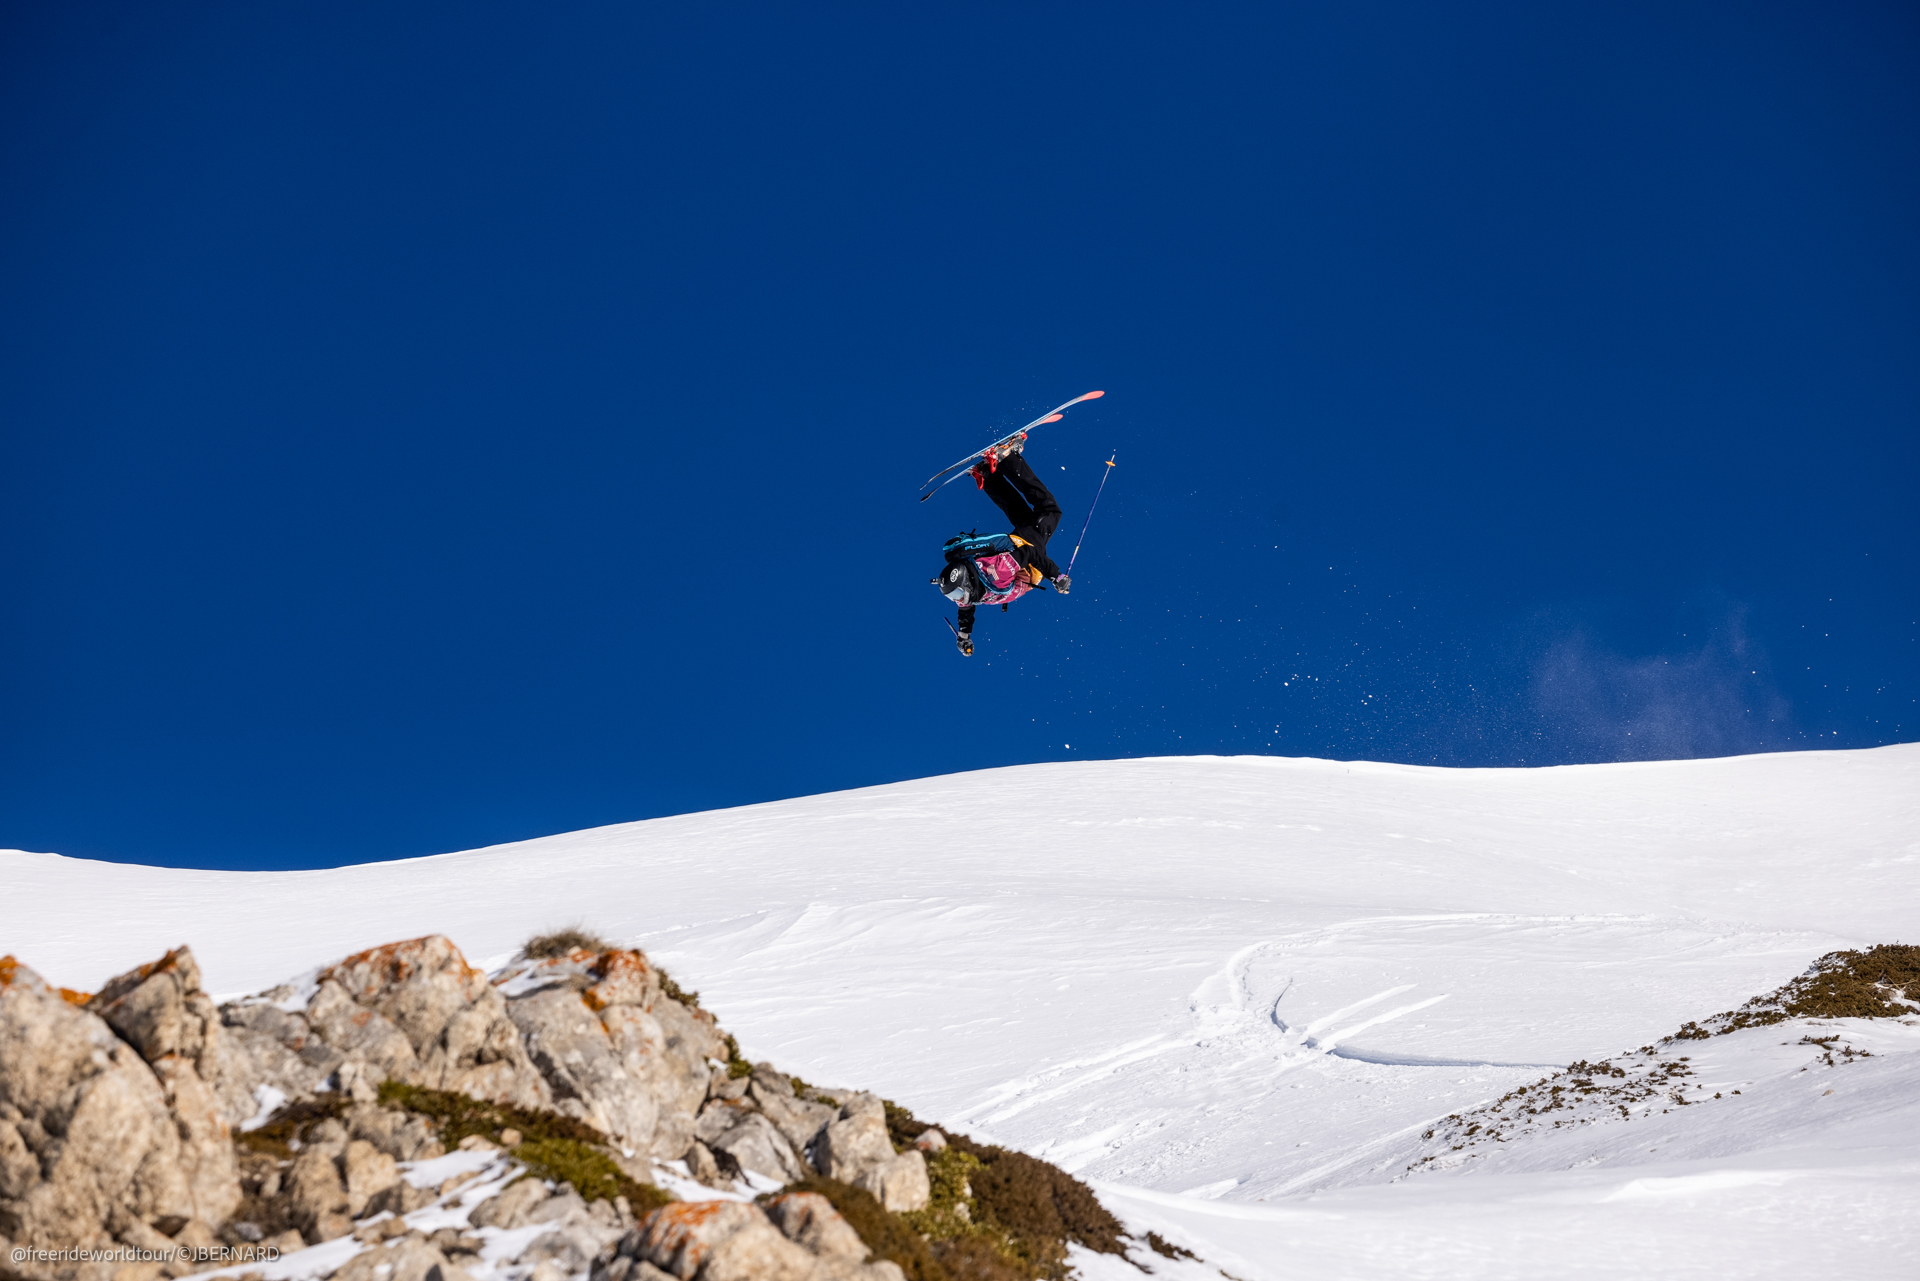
x: 966, y: 644
x: 1061, y: 582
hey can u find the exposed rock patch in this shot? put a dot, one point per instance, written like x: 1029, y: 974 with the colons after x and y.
x: 146, y: 1115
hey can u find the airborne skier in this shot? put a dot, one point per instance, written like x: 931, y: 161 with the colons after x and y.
x: 997, y: 569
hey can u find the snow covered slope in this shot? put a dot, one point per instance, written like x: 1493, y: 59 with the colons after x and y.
x: 1251, y: 981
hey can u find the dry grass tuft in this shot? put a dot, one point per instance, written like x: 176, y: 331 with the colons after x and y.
x: 574, y: 938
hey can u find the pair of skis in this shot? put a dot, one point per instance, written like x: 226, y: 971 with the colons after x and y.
x: 999, y: 449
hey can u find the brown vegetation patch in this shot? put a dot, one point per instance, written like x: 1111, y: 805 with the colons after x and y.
x: 1024, y: 1209
x: 1880, y: 982
x: 563, y: 942
x: 887, y: 1235
x: 1167, y: 1249
x: 973, y: 1258
x: 289, y: 1125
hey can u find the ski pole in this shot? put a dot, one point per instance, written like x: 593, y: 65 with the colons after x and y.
x: 1096, y: 502
x: 950, y: 626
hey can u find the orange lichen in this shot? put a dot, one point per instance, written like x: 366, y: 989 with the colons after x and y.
x: 625, y: 979
x: 72, y: 997
x: 394, y: 963
x: 671, y: 1229
x: 164, y: 963
x: 8, y: 968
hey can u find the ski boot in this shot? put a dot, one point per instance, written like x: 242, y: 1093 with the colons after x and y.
x: 990, y: 459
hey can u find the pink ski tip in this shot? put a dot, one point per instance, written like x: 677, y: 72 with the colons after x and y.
x: 1093, y: 395
x: 1051, y: 418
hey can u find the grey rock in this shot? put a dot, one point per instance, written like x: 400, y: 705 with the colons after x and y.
x: 563, y: 1204
x: 571, y: 1248
x: 510, y: 1208
x: 330, y: 1136
x: 451, y: 1241
x: 900, y: 1184
x: 161, y: 1011
x: 757, y: 1252
x: 91, y: 1140
x: 148, y: 1007
x: 416, y: 1141
x: 455, y: 1022
x: 19, y: 1168
x: 691, y: 1039
x: 359, y: 1080
x: 931, y: 1141
x: 600, y: 1064
x: 702, y: 1166
x: 361, y: 1034
x: 402, y: 1136
x: 317, y: 1199
x: 755, y: 1145
x: 800, y: 1121
x: 719, y: 1241
x: 724, y: 1086
x: 411, y: 1258
x: 771, y: 1080
x: 369, y: 1172
x: 719, y: 1116
x: 378, y: 1126
x: 280, y: 1049
x: 809, y: 1220
x: 857, y: 1142
x: 400, y: 1198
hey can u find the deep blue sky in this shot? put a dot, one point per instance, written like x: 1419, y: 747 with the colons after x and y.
x: 428, y: 426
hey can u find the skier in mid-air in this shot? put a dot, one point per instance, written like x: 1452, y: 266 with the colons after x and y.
x: 997, y: 569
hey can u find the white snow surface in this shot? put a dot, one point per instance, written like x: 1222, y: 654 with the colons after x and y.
x: 1232, y: 993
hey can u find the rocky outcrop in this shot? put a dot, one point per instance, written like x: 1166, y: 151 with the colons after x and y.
x: 161, y: 1011
x: 755, y: 1146
x: 589, y: 1025
x: 98, y: 1143
x: 453, y: 1020
x: 800, y: 1121
x: 413, y: 1011
x: 126, y: 1117
x: 855, y: 1149
x: 810, y: 1220
x: 734, y: 1241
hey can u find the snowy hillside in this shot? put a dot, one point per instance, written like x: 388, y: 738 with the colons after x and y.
x: 1234, y: 993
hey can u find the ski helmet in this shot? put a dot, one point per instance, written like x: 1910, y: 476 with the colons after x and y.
x: 958, y: 583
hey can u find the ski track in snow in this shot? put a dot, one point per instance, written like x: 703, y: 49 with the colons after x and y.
x: 1231, y: 992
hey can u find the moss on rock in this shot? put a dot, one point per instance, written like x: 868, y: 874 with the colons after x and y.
x: 552, y: 1146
